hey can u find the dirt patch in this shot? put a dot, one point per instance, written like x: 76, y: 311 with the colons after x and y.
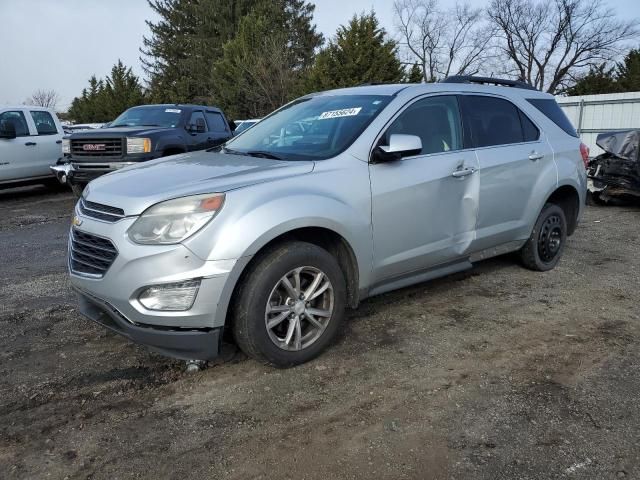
x: 496, y: 373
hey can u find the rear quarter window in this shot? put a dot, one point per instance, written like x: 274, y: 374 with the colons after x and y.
x: 553, y: 112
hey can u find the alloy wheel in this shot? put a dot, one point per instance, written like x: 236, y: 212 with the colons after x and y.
x: 299, y: 308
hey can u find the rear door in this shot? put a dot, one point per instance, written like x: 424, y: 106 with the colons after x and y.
x: 424, y: 206
x: 219, y: 131
x: 515, y: 160
x: 19, y: 155
x: 49, y: 141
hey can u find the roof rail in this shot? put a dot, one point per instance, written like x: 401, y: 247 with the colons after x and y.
x: 489, y: 80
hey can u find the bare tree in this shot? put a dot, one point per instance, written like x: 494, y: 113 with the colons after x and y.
x: 444, y: 42
x: 44, y: 98
x: 545, y: 43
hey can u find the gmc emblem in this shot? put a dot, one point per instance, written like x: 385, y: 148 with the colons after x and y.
x: 94, y: 147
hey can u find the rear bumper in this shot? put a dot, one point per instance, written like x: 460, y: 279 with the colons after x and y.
x: 185, y: 344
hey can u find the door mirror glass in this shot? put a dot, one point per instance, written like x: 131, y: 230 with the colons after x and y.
x: 400, y: 145
x: 7, y: 129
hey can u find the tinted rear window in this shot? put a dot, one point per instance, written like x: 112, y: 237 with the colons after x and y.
x: 553, y: 112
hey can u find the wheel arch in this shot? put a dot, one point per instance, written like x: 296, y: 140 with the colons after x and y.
x: 567, y: 198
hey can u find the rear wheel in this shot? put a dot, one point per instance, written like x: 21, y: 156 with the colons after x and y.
x: 290, y: 305
x: 544, y: 248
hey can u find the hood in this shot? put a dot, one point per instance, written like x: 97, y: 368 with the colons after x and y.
x: 118, y: 132
x: 624, y: 144
x: 136, y: 188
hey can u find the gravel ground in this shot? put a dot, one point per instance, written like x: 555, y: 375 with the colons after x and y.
x: 497, y: 373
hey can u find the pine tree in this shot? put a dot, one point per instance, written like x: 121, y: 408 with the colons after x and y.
x: 184, y: 43
x: 628, y: 72
x: 414, y: 75
x: 600, y: 79
x: 262, y: 67
x: 105, y: 99
x: 359, y: 53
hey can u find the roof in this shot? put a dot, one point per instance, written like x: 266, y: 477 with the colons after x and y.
x: 30, y: 107
x: 178, y: 105
x: 395, y: 89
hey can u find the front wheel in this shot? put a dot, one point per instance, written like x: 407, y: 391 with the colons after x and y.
x: 290, y: 305
x: 544, y: 248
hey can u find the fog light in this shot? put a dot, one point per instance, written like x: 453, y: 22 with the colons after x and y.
x: 173, y: 297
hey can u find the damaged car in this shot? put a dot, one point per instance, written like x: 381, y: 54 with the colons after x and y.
x: 614, y: 176
x: 273, y: 236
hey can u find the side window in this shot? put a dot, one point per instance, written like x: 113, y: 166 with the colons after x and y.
x: 490, y: 121
x: 436, y: 120
x: 45, y: 125
x: 530, y: 131
x: 216, y: 122
x: 18, y: 120
x: 195, y: 119
x: 553, y: 112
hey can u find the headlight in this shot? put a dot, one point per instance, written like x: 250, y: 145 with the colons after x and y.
x: 66, y: 145
x: 138, y: 145
x: 174, y: 220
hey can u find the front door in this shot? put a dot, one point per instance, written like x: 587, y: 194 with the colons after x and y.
x: 18, y: 156
x: 424, y: 207
x: 197, y: 128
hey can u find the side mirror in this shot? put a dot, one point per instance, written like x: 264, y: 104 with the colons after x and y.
x: 7, y: 130
x: 400, y: 145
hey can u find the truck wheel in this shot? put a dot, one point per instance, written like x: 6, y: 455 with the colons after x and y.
x: 544, y: 248
x: 77, y: 189
x: 290, y: 305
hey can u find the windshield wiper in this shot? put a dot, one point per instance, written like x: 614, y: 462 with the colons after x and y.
x: 227, y: 150
x: 263, y: 154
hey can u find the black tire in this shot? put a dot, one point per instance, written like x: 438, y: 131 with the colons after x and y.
x: 260, y: 284
x: 77, y: 189
x: 544, y: 248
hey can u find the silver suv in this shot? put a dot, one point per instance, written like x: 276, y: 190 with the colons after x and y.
x: 333, y: 198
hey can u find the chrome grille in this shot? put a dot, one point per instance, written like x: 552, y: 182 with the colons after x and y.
x: 90, y: 255
x: 100, y: 147
x: 99, y: 211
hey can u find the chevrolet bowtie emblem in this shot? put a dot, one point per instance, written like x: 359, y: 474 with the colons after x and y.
x: 77, y: 221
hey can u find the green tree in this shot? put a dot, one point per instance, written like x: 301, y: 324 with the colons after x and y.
x: 264, y: 65
x: 105, y: 99
x: 414, y: 75
x: 600, y: 79
x: 628, y: 72
x: 359, y: 53
x: 183, y: 44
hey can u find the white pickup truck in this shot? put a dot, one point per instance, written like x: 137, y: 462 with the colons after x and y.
x: 30, y: 142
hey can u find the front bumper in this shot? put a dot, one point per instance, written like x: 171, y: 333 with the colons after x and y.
x: 185, y: 344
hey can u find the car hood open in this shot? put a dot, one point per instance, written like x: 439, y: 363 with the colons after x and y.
x: 136, y: 188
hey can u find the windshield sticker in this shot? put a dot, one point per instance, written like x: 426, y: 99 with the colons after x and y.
x: 345, y: 112
x: 172, y: 110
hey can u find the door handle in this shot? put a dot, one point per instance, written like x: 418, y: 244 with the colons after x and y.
x: 59, y: 142
x: 535, y: 156
x: 463, y: 172
x: 30, y: 144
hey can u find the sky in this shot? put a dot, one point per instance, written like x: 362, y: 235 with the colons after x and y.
x: 59, y: 44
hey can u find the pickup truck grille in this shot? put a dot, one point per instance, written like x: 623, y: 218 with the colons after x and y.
x: 90, y: 255
x: 97, y: 148
x: 99, y: 211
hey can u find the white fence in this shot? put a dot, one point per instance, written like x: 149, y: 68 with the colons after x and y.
x: 594, y: 114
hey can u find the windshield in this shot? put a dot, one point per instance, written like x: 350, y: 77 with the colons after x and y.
x: 149, y: 117
x: 310, y: 129
x: 245, y: 125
